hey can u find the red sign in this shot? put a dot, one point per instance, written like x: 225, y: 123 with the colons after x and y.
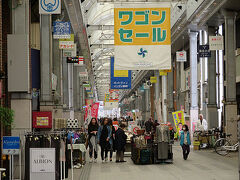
x: 135, y: 130
x: 42, y: 119
x: 94, y: 110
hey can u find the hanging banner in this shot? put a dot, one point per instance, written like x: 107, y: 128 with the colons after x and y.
x: 120, y: 79
x: 94, y: 110
x: 61, y: 30
x: 216, y: 43
x: 142, y: 36
x: 181, y: 56
x: 179, y: 120
x: 49, y: 6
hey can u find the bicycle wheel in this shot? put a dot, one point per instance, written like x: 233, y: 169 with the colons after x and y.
x: 219, y: 146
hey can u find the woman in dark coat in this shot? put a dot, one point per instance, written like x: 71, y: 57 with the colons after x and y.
x: 120, y: 142
x: 104, y: 138
x: 92, y: 139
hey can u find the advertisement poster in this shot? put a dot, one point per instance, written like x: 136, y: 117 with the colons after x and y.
x: 142, y: 34
x: 120, y: 79
x: 179, y: 120
x: 94, y: 110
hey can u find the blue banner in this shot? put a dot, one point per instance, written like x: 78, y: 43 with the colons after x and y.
x: 61, y: 30
x: 118, y: 82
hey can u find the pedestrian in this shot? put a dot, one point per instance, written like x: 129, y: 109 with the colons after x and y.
x: 149, y: 125
x: 112, y: 139
x: 120, y: 142
x: 92, y: 139
x: 104, y: 135
x: 185, y: 141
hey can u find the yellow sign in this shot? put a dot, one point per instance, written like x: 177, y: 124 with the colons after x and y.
x: 121, y: 73
x: 142, y: 26
x: 42, y: 121
x: 71, y: 38
x: 178, y: 118
x: 153, y: 79
x: 162, y: 73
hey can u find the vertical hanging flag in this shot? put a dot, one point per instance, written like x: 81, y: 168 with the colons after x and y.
x: 94, y: 110
x: 142, y: 36
x: 120, y: 79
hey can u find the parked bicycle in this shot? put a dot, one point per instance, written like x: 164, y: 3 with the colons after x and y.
x: 223, y: 146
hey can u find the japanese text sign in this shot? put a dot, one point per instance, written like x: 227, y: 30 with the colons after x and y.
x: 204, y: 51
x: 120, y: 79
x: 216, y: 43
x: 142, y: 37
x: 61, y: 30
x: 181, y: 56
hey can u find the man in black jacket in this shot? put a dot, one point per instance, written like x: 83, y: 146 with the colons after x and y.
x: 120, y: 142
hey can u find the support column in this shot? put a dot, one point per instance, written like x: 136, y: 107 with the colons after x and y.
x: 21, y: 102
x: 170, y: 105
x: 212, y: 96
x: 193, y: 79
x: 164, y: 98
x: 46, y: 100
x: 230, y: 43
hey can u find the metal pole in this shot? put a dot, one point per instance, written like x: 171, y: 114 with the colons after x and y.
x: 164, y: 98
x: 239, y: 151
x: 10, y: 167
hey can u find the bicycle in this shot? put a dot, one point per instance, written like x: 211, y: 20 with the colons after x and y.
x: 223, y: 146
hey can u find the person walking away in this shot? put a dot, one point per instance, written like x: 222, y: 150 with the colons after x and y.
x: 92, y: 139
x: 185, y: 141
x: 112, y: 139
x: 104, y: 135
x: 120, y: 142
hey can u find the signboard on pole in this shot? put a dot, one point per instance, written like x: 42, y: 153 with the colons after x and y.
x: 76, y: 59
x: 204, y: 51
x: 49, y: 6
x: 142, y: 34
x: 216, y: 43
x: 181, y: 56
x: 120, y: 79
x: 61, y: 30
x: 10, y: 145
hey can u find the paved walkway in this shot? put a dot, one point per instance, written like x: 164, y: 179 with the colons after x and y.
x: 201, y: 165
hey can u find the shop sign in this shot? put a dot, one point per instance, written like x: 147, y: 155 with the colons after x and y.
x: 83, y: 73
x: 86, y: 85
x: 94, y: 110
x: 49, y: 6
x: 204, y: 51
x: 120, y: 79
x: 10, y: 145
x: 42, y: 119
x: 70, y: 52
x: 163, y: 72
x: 181, y: 56
x: 216, y: 43
x: 42, y: 160
x: 142, y: 32
x: 61, y: 30
x: 66, y: 45
x: 76, y: 59
x: 153, y: 79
